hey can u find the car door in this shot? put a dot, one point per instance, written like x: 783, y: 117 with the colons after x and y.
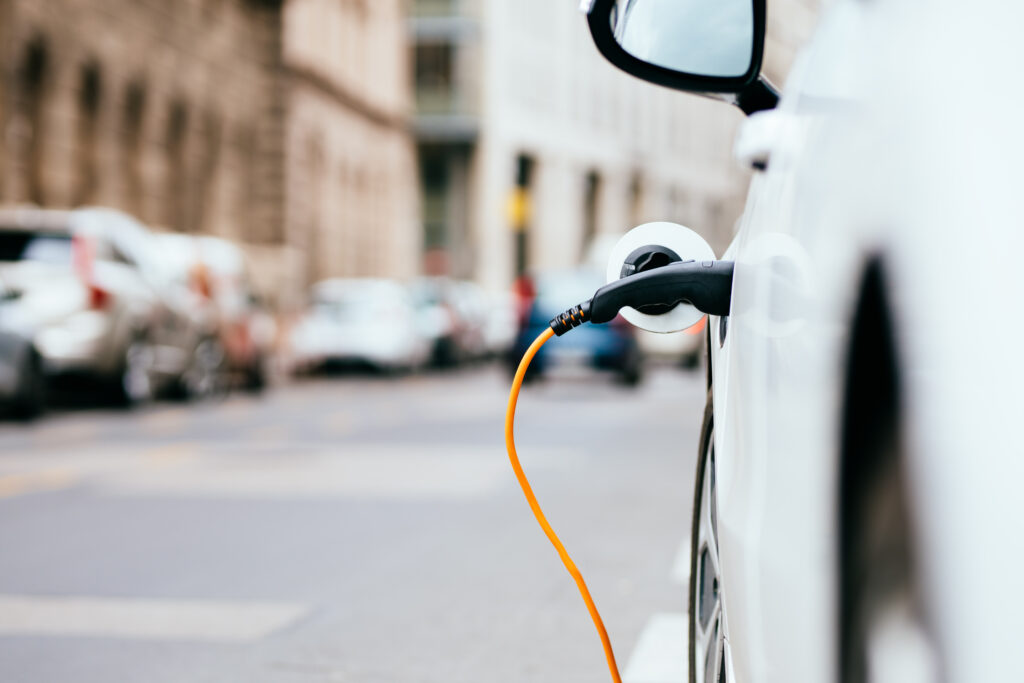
x: 777, y: 368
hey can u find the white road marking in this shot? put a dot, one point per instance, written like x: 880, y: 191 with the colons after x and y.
x: 189, y: 620
x: 661, y: 651
x: 681, y: 564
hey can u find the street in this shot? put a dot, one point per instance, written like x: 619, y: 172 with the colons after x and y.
x: 355, y: 528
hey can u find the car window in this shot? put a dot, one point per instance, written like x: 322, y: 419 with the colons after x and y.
x: 119, y: 256
x: 360, y: 303
x: 30, y: 246
x: 120, y: 239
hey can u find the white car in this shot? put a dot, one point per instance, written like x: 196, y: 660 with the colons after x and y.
x: 858, y: 512
x: 212, y: 278
x: 359, y: 320
x: 86, y: 287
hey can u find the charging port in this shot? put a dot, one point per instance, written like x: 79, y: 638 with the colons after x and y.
x: 643, y: 259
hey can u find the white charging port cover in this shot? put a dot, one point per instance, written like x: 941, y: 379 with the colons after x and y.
x: 684, y: 242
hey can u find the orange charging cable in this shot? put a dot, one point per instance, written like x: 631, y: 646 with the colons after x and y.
x: 510, y: 443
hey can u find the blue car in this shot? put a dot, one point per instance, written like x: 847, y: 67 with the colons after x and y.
x: 612, y: 347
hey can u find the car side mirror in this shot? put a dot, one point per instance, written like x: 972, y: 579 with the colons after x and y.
x: 709, y: 47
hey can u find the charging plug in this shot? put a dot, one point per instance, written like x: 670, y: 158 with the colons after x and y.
x: 706, y: 285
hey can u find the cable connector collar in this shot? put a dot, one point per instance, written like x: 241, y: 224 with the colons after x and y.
x: 573, y: 317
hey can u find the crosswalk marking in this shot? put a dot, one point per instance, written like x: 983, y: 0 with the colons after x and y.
x: 186, y: 620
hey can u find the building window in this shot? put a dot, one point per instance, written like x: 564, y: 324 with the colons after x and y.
x: 175, y: 201
x: 434, y: 77
x: 89, y: 96
x: 34, y: 81
x: 131, y: 145
x: 636, y: 199
x: 591, y: 205
x: 434, y: 172
x: 205, y: 178
x: 245, y: 195
x: 313, y: 163
x: 426, y: 8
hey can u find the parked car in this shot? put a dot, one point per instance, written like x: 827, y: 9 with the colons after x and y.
x: 610, y: 347
x: 213, y: 275
x: 368, y: 321
x: 441, y: 319
x: 501, y: 323
x: 856, y: 509
x: 470, y: 303
x: 85, y: 287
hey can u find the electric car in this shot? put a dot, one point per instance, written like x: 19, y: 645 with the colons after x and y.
x: 857, y: 511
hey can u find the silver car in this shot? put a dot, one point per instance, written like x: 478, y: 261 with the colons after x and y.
x: 84, y: 287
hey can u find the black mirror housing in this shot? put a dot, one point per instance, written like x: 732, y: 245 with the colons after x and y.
x: 751, y: 92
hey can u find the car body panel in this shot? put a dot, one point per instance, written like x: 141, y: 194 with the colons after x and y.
x: 879, y: 163
x: 366, y: 320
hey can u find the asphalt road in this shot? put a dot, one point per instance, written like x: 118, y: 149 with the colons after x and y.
x: 354, y: 529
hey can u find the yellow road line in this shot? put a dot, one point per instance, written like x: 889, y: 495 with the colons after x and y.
x: 34, y: 482
x: 171, y: 454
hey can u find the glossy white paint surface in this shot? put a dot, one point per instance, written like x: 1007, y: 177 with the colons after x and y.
x: 898, y: 137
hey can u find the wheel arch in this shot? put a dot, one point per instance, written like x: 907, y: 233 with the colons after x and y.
x: 871, y: 451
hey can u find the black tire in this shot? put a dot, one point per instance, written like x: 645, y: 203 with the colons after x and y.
x: 703, y: 456
x: 631, y: 377
x: 690, y: 361
x: 878, y: 580
x: 30, y: 398
x: 632, y: 372
x: 255, y: 379
x: 206, y: 376
x: 534, y: 372
x: 445, y: 354
x: 881, y: 597
x: 126, y: 386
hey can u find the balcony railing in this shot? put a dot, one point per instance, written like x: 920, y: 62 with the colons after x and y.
x: 444, y: 115
x: 437, y: 8
x: 443, y: 101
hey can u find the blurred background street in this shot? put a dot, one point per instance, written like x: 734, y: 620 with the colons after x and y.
x: 266, y: 267
x: 348, y: 529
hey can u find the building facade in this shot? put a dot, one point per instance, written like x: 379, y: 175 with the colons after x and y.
x: 532, y: 146
x: 351, y: 192
x: 281, y: 125
x: 163, y: 110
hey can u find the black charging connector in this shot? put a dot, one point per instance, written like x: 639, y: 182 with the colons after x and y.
x: 706, y: 285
